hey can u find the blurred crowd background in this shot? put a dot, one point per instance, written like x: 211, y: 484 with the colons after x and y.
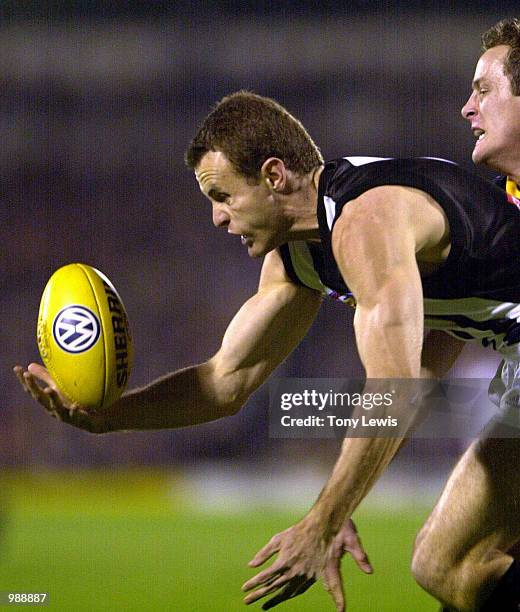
x: 98, y: 102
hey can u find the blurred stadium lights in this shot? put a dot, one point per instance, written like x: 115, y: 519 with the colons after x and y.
x: 136, y: 51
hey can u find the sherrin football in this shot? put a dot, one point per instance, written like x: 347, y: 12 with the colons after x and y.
x: 83, y: 336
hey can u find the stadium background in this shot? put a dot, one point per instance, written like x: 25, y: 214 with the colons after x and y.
x: 98, y: 103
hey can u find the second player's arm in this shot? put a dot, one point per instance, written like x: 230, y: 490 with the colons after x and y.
x: 260, y: 336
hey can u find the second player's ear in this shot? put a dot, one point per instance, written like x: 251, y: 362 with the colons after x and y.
x: 274, y: 173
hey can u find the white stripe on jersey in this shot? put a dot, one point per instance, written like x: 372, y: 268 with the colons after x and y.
x: 478, y: 309
x: 330, y: 210
x: 457, y: 315
x: 359, y: 160
x: 447, y: 161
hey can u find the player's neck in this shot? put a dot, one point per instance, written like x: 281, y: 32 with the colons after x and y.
x: 515, y: 177
x: 301, y: 207
x: 511, y: 168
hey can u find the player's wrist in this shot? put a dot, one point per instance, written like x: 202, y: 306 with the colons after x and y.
x: 103, y: 424
x: 321, y: 523
x: 109, y: 418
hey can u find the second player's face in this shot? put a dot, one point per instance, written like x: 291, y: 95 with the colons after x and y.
x: 245, y: 207
x: 494, y: 114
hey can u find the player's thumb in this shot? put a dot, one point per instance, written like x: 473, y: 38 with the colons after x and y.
x: 334, y: 584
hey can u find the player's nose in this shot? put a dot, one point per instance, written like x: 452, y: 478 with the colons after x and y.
x: 469, y: 109
x: 220, y: 217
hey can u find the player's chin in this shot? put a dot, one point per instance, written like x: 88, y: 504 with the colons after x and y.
x: 477, y: 157
x: 255, y: 253
x: 258, y: 249
x: 481, y: 155
x: 486, y: 161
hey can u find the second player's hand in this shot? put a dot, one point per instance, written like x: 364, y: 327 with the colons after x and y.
x: 303, y: 557
x: 37, y: 381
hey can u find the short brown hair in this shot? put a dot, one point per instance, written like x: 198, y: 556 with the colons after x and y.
x: 507, y: 32
x: 249, y: 129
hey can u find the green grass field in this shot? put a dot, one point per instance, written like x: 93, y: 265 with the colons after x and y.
x: 123, y: 541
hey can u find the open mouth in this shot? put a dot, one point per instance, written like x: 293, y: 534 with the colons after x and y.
x: 246, y: 240
x: 479, y: 134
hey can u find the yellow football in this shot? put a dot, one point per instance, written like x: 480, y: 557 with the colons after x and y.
x: 84, y: 337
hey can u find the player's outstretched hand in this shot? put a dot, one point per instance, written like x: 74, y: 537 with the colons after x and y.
x: 303, y: 557
x: 37, y: 381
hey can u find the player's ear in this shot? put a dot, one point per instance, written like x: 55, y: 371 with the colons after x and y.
x: 274, y: 173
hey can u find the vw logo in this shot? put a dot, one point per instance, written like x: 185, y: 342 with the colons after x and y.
x: 76, y: 329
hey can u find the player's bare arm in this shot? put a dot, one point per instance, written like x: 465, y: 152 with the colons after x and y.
x: 260, y: 336
x: 382, y: 270
x: 398, y: 230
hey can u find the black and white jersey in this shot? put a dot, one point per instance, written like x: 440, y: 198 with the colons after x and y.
x: 475, y: 293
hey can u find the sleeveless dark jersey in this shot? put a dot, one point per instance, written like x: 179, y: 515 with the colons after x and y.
x: 475, y: 293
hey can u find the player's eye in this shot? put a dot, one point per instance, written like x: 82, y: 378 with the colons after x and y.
x: 220, y: 197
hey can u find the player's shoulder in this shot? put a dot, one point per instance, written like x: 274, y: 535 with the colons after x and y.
x: 373, y: 164
x: 274, y: 270
x: 346, y: 177
x: 383, y: 167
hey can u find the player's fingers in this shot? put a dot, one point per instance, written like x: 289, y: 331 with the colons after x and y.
x: 42, y: 374
x: 18, y: 370
x: 361, y: 559
x: 334, y: 584
x: 35, y: 390
x: 269, y: 587
x: 266, y: 576
x: 55, y: 405
x: 76, y: 412
x: 354, y: 546
x: 306, y: 585
x: 273, y: 546
x: 291, y: 590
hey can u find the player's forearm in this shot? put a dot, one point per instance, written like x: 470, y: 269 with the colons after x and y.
x: 180, y: 399
x: 361, y: 462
